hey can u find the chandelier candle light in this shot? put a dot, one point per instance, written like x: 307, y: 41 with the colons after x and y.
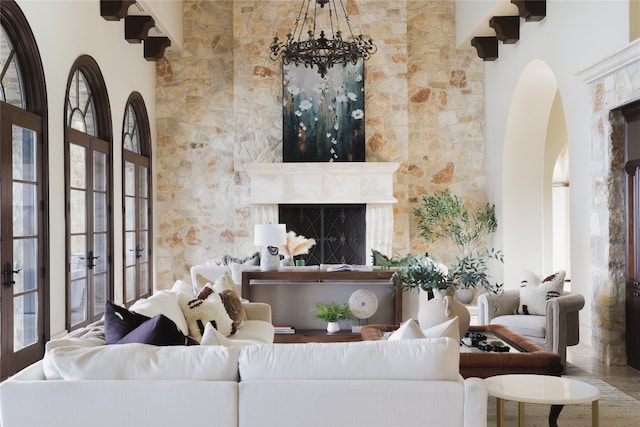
x: 322, y: 52
x: 270, y: 236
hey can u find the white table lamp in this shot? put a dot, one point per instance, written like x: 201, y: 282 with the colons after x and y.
x: 270, y: 236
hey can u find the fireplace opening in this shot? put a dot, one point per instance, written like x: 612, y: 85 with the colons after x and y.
x: 339, y: 231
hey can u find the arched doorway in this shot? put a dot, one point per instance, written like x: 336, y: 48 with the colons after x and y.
x: 535, y: 137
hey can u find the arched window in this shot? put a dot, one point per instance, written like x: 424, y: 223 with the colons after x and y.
x: 88, y: 180
x: 136, y: 155
x: 23, y: 193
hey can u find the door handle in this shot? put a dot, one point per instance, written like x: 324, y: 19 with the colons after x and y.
x: 7, y: 275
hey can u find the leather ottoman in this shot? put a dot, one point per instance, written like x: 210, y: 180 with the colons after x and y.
x: 530, y: 358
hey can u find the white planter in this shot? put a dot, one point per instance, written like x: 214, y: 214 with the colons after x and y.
x: 465, y: 295
x: 333, y: 327
x: 441, y: 308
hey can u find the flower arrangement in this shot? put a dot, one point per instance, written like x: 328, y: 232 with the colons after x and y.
x: 296, y: 245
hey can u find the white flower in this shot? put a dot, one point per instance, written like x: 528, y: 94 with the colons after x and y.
x: 341, y: 98
x: 357, y: 114
x: 298, y: 113
x: 305, y: 105
x: 352, y: 96
x: 293, y: 90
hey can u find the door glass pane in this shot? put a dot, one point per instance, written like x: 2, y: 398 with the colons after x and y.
x: 99, y: 212
x: 78, y: 261
x: 77, y: 166
x: 129, y: 179
x: 130, y: 287
x: 144, y: 214
x: 25, y: 320
x: 25, y: 261
x: 78, y: 301
x: 25, y: 213
x: 130, y: 213
x: 77, y: 211
x: 144, y: 246
x: 144, y: 279
x: 142, y: 180
x: 99, y: 171
x: 130, y: 255
x: 100, y: 252
x: 23, y: 148
x: 99, y: 293
x: 11, y: 86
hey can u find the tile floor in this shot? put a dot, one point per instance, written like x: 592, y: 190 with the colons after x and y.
x: 624, y: 378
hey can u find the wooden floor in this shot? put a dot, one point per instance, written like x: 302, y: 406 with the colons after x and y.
x: 624, y: 378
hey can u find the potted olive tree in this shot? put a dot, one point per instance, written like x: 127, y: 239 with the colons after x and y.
x: 332, y: 314
x: 443, y: 216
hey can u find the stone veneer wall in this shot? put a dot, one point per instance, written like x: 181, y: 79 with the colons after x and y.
x: 219, y: 109
x: 613, y: 83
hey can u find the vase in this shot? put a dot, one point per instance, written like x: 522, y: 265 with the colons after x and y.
x: 287, y: 261
x: 333, y: 327
x: 465, y: 295
x: 442, y: 307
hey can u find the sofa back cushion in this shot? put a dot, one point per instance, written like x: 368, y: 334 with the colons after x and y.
x: 143, y: 362
x: 418, y: 359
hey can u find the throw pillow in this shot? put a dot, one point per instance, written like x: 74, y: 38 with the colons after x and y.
x: 253, y: 259
x: 159, y: 330
x: 448, y: 328
x: 381, y: 260
x: 211, y: 336
x: 408, y: 330
x: 123, y: 326
x: 162, y: 302
x: 225, y: 282
x: 233, y: 306
x: 534, y: 292
x: 199, y: 312
x: 118, y: 322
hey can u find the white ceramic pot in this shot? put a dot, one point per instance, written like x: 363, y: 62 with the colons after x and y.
x: 333, y: 327
x: 465, y: 295
x: 441, y: 308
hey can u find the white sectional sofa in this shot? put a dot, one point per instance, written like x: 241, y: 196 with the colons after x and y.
x: 371, y: 383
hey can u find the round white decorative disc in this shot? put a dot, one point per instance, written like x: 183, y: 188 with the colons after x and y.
x: 363, y: 303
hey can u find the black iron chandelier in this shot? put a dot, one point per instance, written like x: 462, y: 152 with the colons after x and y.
x: 321, y: 52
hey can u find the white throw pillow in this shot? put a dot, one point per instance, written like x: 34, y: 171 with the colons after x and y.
x: 225, y: 282
x: 448, y: 328
x: 534, y: 292
x: 211, y: 336
x: 162, y: 302
x: 199, y: 312
x: 181, y: 287
x: 407, y: 331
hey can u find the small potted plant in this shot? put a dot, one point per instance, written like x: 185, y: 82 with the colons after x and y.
x: 332, y: 314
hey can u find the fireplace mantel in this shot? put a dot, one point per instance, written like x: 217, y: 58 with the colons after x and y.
x: 369, y: 183
x: 322, y: 183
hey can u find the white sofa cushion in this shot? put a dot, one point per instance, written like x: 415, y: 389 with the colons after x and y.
x: 143, y: 362
x: 408, y: 330
x: 418, y: 359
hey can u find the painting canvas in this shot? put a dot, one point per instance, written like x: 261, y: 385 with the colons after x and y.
x: 323, y: 118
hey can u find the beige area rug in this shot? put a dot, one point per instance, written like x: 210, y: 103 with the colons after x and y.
x: 617, y: 409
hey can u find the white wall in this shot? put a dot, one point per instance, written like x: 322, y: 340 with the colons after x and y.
x: 568, y: 40
x: 64, y: 30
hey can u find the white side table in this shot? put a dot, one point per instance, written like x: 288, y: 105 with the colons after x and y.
x: 541, y: 389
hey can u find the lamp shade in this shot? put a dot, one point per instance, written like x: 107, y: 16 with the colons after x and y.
x: 270, y: 234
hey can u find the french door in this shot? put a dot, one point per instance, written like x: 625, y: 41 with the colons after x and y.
x: 88, y: 222
x: 22, y: 296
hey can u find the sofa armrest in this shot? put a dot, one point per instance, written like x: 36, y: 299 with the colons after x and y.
x: 257, y: 311
x: 491, y: 305
x: 563, y: 323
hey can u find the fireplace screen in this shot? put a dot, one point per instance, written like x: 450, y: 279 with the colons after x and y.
x: 339, y: 231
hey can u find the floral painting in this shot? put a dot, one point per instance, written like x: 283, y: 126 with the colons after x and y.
x: 323, y: 118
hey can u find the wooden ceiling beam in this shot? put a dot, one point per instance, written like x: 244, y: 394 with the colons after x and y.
x: 507, y: 28
x: 136, y: 28
x: 154, y: 47
x: 114, y: 10
x: 531, y: 10
x: 487, y: 47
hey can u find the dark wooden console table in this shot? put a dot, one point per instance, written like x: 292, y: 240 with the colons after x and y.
x: 293, y: 295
